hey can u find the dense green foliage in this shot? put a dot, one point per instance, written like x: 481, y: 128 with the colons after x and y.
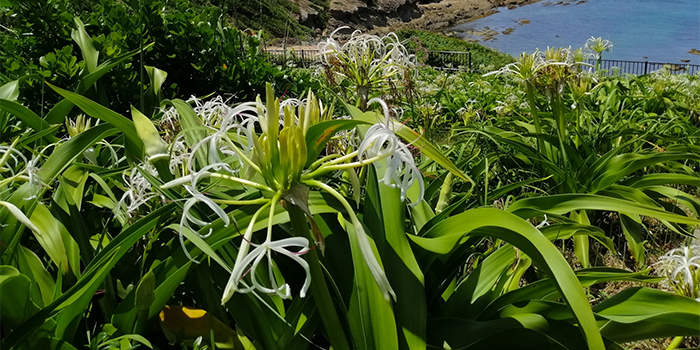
x: 278, y: 17
x: 201, y: 54
x: 417, y: 209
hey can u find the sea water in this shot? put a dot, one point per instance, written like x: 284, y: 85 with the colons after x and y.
x: 640, y: 30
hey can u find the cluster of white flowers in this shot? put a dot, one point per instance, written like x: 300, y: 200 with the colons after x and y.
x: 681, y: 267
x: 138, y: 191
x: 595, y: 47
x: 230, y: 142
x: 13, y: 162
x: 381, y: 142
x: 385, y: 53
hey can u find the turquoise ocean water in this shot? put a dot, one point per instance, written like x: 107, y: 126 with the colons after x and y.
x: 641, y: 30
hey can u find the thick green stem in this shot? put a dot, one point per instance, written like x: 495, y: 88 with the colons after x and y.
x: 578, y: 127
x: 558, y: 111
x: 319, y: 288
x: 677, y: 341
x: 533, y: 111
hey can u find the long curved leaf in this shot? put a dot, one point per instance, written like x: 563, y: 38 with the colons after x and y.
x: 27, y: 116
x: 98, y: 111
x: 565, y: 203
x: 446, y: 235
x: 643, y: 313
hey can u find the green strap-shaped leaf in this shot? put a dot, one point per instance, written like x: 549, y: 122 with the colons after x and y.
x: 544, y: 288
x: 27, y: 116
x: 662, y: 179
x: 565, y: 203
x: 98, y: 111
x: 622, y: 165
x: 16, y: 303
x: 10, y: 91
x: 319, y: 134
x: 59, y: 160
x: 78, y: 296
x: 446, y: 235
x: 385, y: 217
x: 642, y: 313
x: 43, y: 285
x: 81, y: 37
x: 49, y: 236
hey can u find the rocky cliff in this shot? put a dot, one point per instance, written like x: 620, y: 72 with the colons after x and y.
x: 384, y: 15
x: 369, y: 14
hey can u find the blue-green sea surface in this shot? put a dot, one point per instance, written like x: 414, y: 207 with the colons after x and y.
x: 641, y: 30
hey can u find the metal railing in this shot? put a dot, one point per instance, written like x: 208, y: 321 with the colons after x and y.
x: 298, y: 58
x: 449, y: 60
x: 644, y: 67
x: 452, y: 60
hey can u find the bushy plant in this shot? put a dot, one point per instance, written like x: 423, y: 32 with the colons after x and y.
x: 201, y: 54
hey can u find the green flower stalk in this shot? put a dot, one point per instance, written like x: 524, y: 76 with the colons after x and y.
x: 525, y: 70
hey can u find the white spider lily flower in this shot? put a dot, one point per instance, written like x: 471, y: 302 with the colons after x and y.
x: 11, y: 158
x: 542, y: 224
x: 243, y: 112
x: 329, y: 48
x: 681, y: 266
x: 596, y: 46
x: 381, y: 142
x: 179, y: 154
x: 402, y: 172
x: 7, y: 153
x: 196, y: 197
x: 250, y: 263
x: 35, y: 183
x: 139, y: 192
x: 526, y: 67
x: 213, y: 111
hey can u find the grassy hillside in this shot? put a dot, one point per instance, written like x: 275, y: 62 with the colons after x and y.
x: 481, y: 55
x: 277, y: 17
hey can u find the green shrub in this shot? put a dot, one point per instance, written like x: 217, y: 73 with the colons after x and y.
x: 200, y: 53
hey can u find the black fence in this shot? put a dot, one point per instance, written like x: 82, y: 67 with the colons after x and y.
x: 296, y: 58
x: 451, y: 60
x: 644, y: 67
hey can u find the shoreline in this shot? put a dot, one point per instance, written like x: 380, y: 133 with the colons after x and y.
x: 440, y: 16
x: 436, y: 17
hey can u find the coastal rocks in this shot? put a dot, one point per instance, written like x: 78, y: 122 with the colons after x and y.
x: 308, y: 15
x: 362, y: 14
x: 381, y: 16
